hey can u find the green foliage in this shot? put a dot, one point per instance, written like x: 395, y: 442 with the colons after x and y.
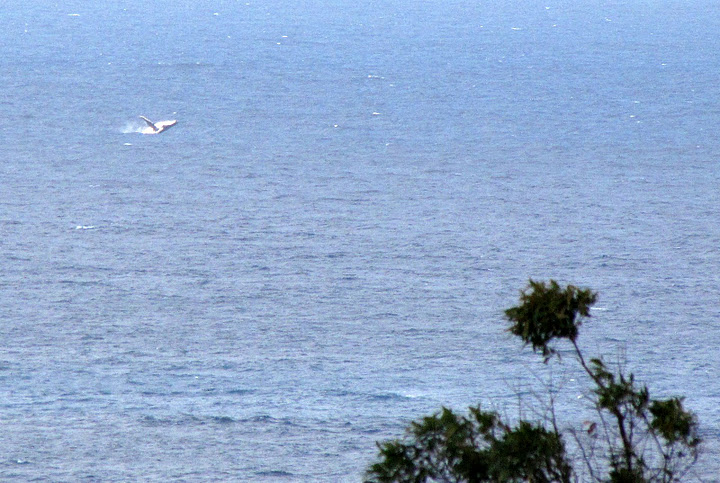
x: 618, y: 393
x: 548, y: 312
x: 642, y: 439
x: 529, y: 453
x: 637, y: 418
x: 477, y: 448
x: 625, y: 475
x: 673, y: 423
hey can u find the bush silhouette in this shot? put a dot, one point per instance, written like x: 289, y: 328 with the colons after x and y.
x: 634, y: 438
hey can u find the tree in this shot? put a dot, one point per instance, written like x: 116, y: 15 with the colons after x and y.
x: 635, y: 438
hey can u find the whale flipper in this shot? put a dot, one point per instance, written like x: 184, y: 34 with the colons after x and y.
x: 149, y: 123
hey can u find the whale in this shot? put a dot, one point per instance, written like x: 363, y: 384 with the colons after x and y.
x: 156, y: 127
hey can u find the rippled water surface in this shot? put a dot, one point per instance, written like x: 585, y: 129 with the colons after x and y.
x: 322, y: 248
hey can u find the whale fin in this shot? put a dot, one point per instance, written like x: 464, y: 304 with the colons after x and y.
x: 149, y: 123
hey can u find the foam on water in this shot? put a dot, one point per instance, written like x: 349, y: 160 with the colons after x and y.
x: 134, y: 127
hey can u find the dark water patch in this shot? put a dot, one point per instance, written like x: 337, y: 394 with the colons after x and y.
x: 240, y: 392
x: 222, y: 420
x: 276, y: 474
x: 186, y: 420
x: 269, y: 420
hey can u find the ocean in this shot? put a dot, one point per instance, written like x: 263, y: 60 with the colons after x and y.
x: 321, y: 250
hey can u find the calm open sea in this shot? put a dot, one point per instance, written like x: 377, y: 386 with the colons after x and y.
x: 322, y: 248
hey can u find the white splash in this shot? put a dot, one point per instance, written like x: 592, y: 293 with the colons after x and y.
x: 132, y: 126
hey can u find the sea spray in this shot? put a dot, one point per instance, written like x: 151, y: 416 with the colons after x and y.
x: 132, y: 126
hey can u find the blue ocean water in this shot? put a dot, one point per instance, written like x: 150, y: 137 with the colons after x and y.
x: 321, y: 250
